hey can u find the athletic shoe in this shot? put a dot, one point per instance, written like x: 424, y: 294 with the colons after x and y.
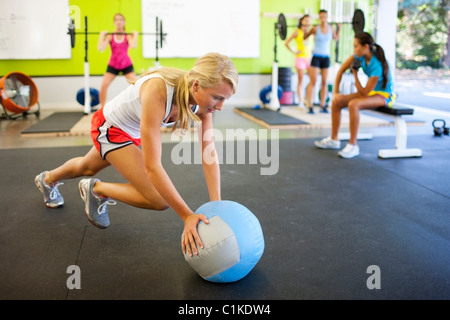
x: 328, y: 143
x: 324, y: 109
x: 350, y: 151
x: 52, y: 197
x: 310, y: 110
x: 96, y: 207
x: 306, y: 102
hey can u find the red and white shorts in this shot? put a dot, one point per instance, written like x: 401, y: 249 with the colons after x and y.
x: 108, y: 138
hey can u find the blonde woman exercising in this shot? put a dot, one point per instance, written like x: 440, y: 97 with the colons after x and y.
x: 133, y: 118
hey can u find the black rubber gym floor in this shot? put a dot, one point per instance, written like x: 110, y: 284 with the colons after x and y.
x: 325, y: 221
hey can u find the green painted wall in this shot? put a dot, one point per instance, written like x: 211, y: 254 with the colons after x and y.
x: 100, y: 14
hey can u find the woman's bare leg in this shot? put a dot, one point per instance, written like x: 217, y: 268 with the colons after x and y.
x: 299, y: 85
x: 139, y: 191
x: 131, y: 77
x: 354, y: 106
x: 89, y: 165
x: 106, y: 81
x: 323, y: 87
x: 339, y: 102
x: 313, y: 71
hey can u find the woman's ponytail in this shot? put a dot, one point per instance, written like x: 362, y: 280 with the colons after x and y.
x: 185, y: 114
x: 379, y: 53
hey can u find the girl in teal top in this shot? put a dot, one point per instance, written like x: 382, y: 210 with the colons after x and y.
x: 374, y: 68
x: 377, y: 92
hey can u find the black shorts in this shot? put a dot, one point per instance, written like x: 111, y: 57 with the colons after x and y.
x: 320, y: 62
x: 117, y: 71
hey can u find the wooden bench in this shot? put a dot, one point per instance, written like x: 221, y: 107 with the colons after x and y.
x: 400, y: 151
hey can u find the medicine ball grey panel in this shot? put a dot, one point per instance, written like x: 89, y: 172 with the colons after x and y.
x: 220, y: 248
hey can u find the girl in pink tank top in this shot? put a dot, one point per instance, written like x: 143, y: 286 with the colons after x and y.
x: 119, y: 61
x: 119, y: 52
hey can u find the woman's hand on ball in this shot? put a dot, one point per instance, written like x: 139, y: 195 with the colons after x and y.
x: 190, y: 234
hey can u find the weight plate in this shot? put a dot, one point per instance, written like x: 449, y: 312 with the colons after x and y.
x: 71, y: 32
x: 161, y: 35
x: 358, y: 21
x: 282, y: 26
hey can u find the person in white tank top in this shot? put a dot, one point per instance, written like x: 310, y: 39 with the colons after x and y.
x: 124, y: 111
x: 133, y: 119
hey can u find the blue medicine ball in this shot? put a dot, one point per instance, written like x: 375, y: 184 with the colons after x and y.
x: 233, y: 242
x: 265, y: 92
x: 95, y: 100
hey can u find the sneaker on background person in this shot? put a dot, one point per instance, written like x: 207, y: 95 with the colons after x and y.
x: 328, y: 143
x: 350, y: 151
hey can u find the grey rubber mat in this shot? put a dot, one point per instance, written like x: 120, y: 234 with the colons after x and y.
x: 56, y: 122
x: 271, y: 117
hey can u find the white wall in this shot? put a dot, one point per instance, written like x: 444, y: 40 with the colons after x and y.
x: 386, y: 29
x: 60, y: 92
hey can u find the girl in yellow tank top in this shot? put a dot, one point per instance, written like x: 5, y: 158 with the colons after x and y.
x: 303, y: 48
x: 302, y: 53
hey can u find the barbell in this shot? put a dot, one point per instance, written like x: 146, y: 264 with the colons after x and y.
x: 358, y: 22
x: 159, y: 33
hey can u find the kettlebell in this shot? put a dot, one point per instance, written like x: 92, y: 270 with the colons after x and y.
x: 438, y: 131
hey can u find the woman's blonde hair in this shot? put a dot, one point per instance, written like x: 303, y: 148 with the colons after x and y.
x: 209, y: 71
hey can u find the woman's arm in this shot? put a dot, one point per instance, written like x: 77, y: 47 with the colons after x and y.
x: 210, y: 160
x: 133, y: 39
x: 345, y: 65
x: 337, y: 32
x: 312, y: 31
x: 153, y: 100
x: 288, y: 40
x: 370, y: 85
x: 103, y: 41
